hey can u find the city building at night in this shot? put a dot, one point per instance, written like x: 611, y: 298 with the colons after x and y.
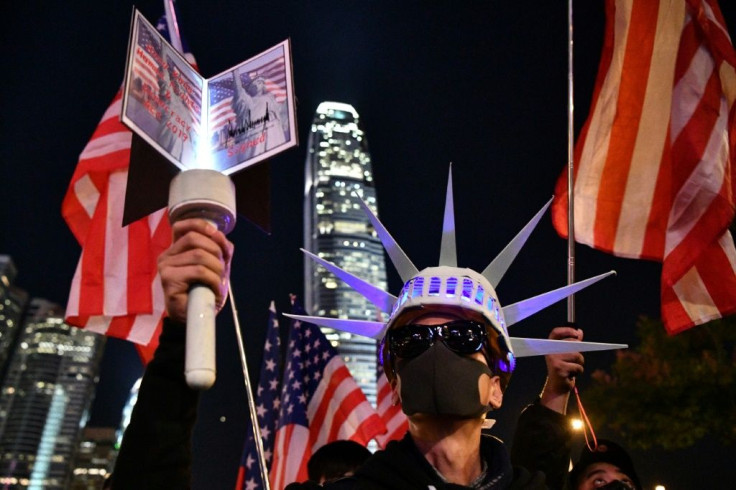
x: 45, y: 399
x: 95, y: 458
x: 13, y: 301
x: 338, y: 170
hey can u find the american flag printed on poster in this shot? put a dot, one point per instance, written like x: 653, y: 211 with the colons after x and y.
x: 320, y: 403
x: 116, y: 289
x: 267, y: 408
x: 146, y: 66
x: 222, y: 91
x: 160, y: 78
x: 654, y: 175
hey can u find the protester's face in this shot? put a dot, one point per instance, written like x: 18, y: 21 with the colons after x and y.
x: 599, y: 474
x: 489, y: 387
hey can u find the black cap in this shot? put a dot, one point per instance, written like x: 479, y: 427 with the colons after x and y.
x: 606, y: 452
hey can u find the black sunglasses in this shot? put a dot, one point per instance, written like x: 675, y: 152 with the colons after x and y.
x: 460, y: 336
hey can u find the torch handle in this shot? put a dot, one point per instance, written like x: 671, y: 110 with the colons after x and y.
x: 209, y: 195
x: 199, y: 365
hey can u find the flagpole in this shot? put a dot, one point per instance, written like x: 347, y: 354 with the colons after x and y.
x: 570, y: 169
x: 173, y: 26
x: 249, y: 392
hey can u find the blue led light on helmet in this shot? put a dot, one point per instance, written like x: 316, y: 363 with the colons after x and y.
x: 434, y: 286
x: 451, y: 285
x: 479, y: 293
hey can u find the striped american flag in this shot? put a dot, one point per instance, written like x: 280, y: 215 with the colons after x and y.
x: 222, y: 91
x: 160, y: 75
x: 393, y: 418
x: 116, y: 289
x: 267, y: 408
x: 654, y: 172
x: 320, y: 403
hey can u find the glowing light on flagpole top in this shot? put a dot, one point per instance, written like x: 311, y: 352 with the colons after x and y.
x: 209, y: 195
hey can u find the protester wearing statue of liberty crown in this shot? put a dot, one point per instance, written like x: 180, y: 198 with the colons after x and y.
x: 448, y: 356
x: 447, y: 370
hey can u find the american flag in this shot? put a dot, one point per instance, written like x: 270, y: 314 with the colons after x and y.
x: 654, y: 174
x: 320, y: 403
x: 116, y: 289
x: 267, y: 407
x: 221, y: 94
x: 393, y: 417
x: 222, y: 91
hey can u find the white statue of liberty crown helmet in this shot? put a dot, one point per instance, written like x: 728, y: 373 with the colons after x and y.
x: 448, y: 285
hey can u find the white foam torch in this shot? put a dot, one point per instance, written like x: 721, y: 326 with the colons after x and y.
x: 209, y: 195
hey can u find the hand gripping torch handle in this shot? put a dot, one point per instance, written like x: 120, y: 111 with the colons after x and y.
x: 209, y: 195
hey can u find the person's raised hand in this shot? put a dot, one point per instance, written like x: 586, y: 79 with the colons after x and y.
x: 562, y: 370
x: 199, y: 253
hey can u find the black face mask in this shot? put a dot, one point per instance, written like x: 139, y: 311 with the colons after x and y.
x: 440, y: 382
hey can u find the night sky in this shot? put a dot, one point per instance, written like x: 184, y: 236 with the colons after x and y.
x: 480, y: 84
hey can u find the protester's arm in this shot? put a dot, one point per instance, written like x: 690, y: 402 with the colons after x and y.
x: 156, y: 448
x: 542, y: 441
x: 561, y: 371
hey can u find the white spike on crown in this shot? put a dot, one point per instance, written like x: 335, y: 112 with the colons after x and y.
x: 451, y: 286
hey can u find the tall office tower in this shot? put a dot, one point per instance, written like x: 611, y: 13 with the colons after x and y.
x: 13, y: 301
x: 45, y: 399
x: 127, y: 413
x: 95, y: 458
x: 338, y: 167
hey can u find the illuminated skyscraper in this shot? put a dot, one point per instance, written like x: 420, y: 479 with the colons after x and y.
x: 338, y: 167
x: 95, y: 458
x: 13, y: 301
x: 127, y: 412
x: 45, y: 399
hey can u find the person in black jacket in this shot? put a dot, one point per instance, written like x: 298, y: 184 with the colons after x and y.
x: 448, y: 364
x: 543, y: 435
x: 446, y: 385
